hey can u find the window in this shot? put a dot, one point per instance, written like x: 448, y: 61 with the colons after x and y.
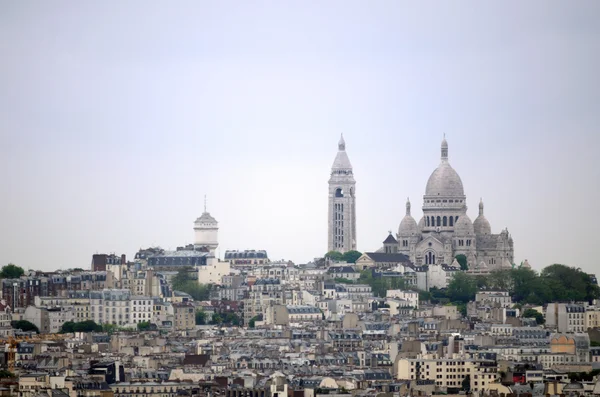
x: 451, y: 221
x: 439, y: 221
x: 445, y: 223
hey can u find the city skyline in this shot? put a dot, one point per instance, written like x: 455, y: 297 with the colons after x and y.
x: 112, y: 137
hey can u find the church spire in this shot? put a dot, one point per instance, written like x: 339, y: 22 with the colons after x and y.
x: 444, y: 149
x: 342, y: 143
x: 407, y: 206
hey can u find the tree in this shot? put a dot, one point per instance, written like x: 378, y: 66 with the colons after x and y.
x: 342, y: 280
x: 253, y: 320
x: 82, y: 326
x: 466, y: 383
x: 200, y: 317
x: 462, y: 261
x: 462, y: 288
x: 216, y: 319
x: 335, y: 256
x: 109, y: 328
x: 143, y: 325
x: 531, y: 313
x: 25, y: 326
x: 11, y: 271
x: 6, y: 374
x: 351, y: 256
x: 87, y: 326
x: 184, y: 283
x: 380, y: 285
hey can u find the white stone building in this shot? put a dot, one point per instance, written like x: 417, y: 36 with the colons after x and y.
x: 566, y: 317
x: 206, y: 230
x: 445, y: 230
x: 342, y: 203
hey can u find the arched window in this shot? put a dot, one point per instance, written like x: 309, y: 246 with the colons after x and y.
x: 445, y: 221
x: 451, y: 221
x: 427, y: 221
x: 439, y: 221
x: 339, y: 192
x: 432, y: 221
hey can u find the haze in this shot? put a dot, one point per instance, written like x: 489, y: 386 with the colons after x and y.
x: 116, y: 118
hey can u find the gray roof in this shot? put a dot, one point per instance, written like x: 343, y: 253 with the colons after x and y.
x: 384, y: 257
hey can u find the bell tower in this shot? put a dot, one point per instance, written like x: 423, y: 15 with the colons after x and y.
x: 342, y: 203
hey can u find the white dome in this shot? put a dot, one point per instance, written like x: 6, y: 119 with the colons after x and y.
x: 482, y: 226
x: 408, y: 226
x: 526, y: 264
x: 464, y: 226
x: 206, y: 218
x: 422, y: 223
x: 444, y: 181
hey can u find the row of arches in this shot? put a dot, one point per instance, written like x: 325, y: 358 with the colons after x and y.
x: 440, y: 221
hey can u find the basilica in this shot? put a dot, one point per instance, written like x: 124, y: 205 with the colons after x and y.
x: 445, y: 230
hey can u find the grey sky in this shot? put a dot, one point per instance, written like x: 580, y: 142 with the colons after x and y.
x: 117, y: 117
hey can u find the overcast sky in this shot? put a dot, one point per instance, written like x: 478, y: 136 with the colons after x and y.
x: 117, y: 117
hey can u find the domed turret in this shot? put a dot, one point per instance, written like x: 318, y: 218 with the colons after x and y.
x: 526, y: 264
x: 408, y: 225
x: 464, y: 226
x: 444, y: 181
x: 206, y: 230
x: 506, y: 264
x: 481, y: 224
x: 342, y: 164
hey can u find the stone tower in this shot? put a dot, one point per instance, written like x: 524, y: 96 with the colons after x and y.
x: 206, y: 230
x: 342, y: 203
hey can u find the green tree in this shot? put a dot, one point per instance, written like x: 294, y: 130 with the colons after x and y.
x: 351, y: 256
x: 6, y: 374
x: 25, y: 326
x: 11, y: 271
x: 380, y: 285
x: 216, y: 319
x: 424, y: 296
x: 184, y: 283
x: 109, y: 328
x: 462, y: 288
x: 342, y: 280
x: 335, y: 256
x: 87, y: 326
x: 462, y: 261
x: 253, y: 320
x: 466, y: 383
x: 200, y: 317
x: 531, y: 313
x: 67, y: 327
x: 143, y: 325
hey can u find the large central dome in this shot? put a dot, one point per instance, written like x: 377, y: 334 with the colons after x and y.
x: 444, y: 181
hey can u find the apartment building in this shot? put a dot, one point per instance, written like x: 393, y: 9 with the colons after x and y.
x: 449, y: 373
x: 566, y: 317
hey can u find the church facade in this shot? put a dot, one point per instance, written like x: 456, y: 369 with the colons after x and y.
x: 445, y: 230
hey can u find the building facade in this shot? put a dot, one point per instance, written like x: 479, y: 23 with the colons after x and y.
x: 445, y: 230
x: 342, y: 203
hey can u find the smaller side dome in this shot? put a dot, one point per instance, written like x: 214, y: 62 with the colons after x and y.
x: 464, y: 226
x: 422, y: 223
x: 526, y: 264
x: 481, y: 224
x: 408, y: 225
